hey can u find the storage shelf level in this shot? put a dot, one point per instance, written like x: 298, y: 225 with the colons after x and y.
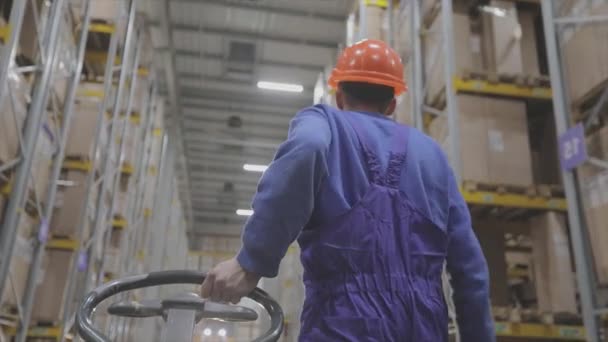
x: 501, y: 89
x: 513, y: 200
x: 540, y: 331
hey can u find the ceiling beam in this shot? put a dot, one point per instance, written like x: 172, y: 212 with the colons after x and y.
x: 215, y: 150
x: 203, y: 158
x: 248, y: 35
x: 261, y: 7
x: 195, y: 102
x: 219, y: 57
x: 203, y: 226
x: 206, y: 138
x: 262, y: 99
x: 215, y: 113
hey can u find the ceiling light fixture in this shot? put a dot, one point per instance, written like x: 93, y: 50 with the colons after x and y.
x: 292, y: 88
x: 255, y: 167
x: 244, y: 212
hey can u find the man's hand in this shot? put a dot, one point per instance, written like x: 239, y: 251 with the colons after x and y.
x: 228, y: 282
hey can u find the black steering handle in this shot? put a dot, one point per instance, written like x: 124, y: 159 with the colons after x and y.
x: 89, y: 333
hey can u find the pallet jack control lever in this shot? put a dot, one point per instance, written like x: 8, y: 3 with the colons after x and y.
x: 181, y: 313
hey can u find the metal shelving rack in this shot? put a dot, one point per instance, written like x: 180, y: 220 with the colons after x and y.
x: 589, y: 292
x: 142, y: 227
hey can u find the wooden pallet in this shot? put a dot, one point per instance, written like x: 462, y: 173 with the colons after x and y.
x: 522, y: 80
x: 472, y: 186
x: 519, y: 315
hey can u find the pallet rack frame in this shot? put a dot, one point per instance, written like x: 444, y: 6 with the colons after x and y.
x: 112, y: 168
x: 454, y: 84
x: 587, y: 284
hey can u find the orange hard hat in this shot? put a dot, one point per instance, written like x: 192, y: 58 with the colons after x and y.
x: 369, y: 61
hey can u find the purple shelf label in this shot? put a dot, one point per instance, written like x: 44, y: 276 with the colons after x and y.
x: 82, y: 261
x: 572, y: 149
x: 43, y: 231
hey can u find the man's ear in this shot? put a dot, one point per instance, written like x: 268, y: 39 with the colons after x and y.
x: 391, y: 107
x: 340, y: 99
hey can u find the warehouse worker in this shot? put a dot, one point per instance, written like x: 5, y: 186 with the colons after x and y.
x: 377, y: 212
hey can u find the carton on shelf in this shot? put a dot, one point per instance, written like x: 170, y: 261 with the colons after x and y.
x: 502, y: 38
x: 81, y: 137
x: 48, y: 299
x: 69, y: 203
x: 464, y: 49
x: 41, y: 165
x: 12, y: 115
x: 584, y: 54
x: 491, y: 236
x: 494, y: 146
x: 594, y: 188
x: 19, y: 268
x: 554, y: 278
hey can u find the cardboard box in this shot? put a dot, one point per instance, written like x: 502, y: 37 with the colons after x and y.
x: 19, y: 269
x: 69, y: 204
x: 594, y: 187
x: 12, y: 115
x: 41, y: 166
x: 492, y: 242
x: 48, y: 299
x: 464, y: 47
x: 584, y: 55
x: 529, y: 49
x: 494, y: 145
x: 82, y: 131
x: 554, y: 278
x: 502, y: 38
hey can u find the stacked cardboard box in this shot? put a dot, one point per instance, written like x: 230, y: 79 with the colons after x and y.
x: 502, y: 40
x: 20, y: 262
x: 491, y: 236
x: 12, y: 115
x: 54, y: 275
x: 69, y: 204
x: 594, y: 187
x: 554, y: 279
x: 585, y: 53
x: 494, y: 145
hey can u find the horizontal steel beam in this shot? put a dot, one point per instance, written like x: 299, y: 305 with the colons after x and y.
x: 204, y: 158
x: 255, y: 154
x: 270, y: 99
x: 248, y: 35
x: 261, y: 7
x: 262, y: 62
x: 250, y: 131
x: 223, y: 105
x: 280, y: 121
x: 203, y: 226
x: 206, y: 138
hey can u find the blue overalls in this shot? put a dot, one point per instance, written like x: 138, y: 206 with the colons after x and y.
x: 375, y: 272
x: 377, y: 212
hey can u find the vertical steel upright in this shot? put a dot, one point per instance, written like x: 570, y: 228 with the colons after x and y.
x: 108, y: 174
x: 7, y: 56
x: 35, y: 115
x: 580, y: 239
x: 451, y: 108
x: 28, y: 296
x: 415, y: 65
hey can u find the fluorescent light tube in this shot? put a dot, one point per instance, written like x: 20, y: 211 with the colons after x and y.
x: 293, y: 88
x: 255, y: 168
x: 244, y: 212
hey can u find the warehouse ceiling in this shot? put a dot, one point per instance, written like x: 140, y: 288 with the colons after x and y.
x: 213, y: 54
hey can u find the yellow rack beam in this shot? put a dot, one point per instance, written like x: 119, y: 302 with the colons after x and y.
x: 140, y: 255
x: 98, y: 94
x: 6, y: 189
x: 147, y: 212
x: 102, y: 28
x: 543, y: 331
x: 157, y: 132
x: 5, y: 32
x: 504, y: 89
x: 99, y: 57
x: 38, y: 332
x: 513, y: 200
x: 77, y: 165
x: 119, y: 224
x: 127, y: 169
x: 65, y: 244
